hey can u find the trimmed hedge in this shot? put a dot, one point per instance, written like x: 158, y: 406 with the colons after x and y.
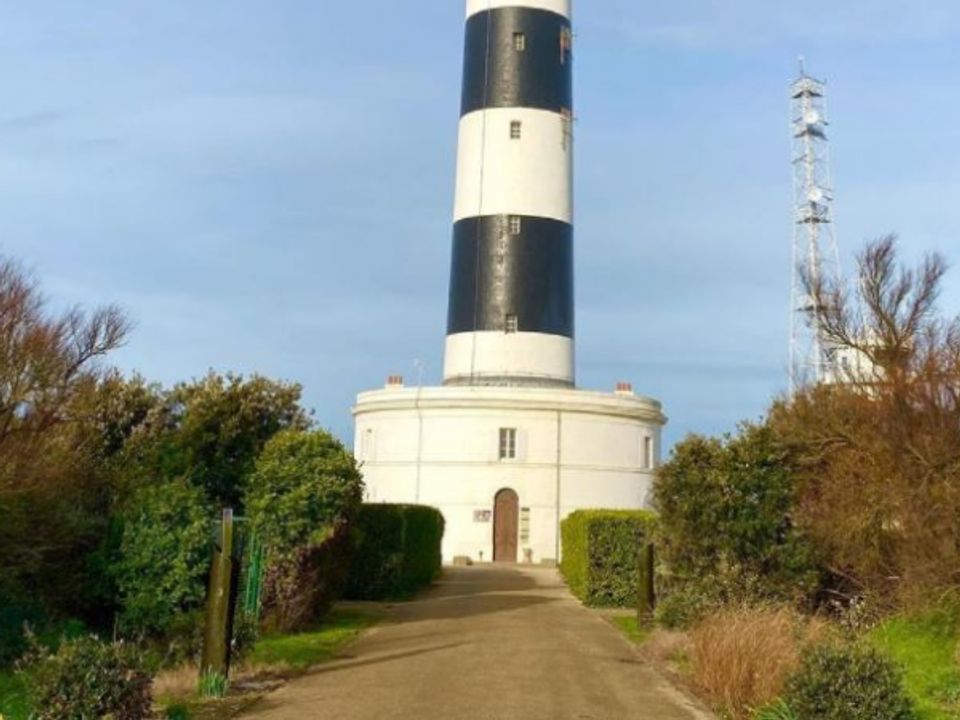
x: 396, y: 551
x: 600, y: 549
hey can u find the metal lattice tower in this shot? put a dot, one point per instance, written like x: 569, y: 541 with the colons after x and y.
x: 815, y: 252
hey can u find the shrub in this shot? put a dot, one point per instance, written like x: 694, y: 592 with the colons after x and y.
x: 726, y: 533
x: 397, y: 551
x: 165, y: 557
x: 299, y: 587
x: 14, y: 620
x: 741, y: 657
x: 685, y: 602
x: 600, y: 554
x: 304, y: 485
x: 300, y: 501
x: 848, y: 683
x: 90, y: 679
x: 212, y: 430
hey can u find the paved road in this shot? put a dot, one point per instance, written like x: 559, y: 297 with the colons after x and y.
x: 486, y: 643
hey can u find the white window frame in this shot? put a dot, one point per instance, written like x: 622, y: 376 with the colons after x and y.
x: 511, y: 324
x: 520, y: 41
x: 647, y: 451
x: 507, y: 449
x: 516, y: 129
x: 515, y: 224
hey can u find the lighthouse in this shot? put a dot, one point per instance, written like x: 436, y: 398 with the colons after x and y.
x: 511, y: 308
x: 508, y: 445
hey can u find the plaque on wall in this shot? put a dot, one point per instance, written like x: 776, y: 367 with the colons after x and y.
x: 482, y: 516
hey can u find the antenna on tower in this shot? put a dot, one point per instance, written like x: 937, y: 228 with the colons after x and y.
x: 815, y: 254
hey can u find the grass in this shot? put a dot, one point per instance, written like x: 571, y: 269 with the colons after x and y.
x: 275, y: 657
x: 13, y: 702
x: 631, y: 628
x: 300, y: 651
x: 668, y: 649
x: 926, y: 646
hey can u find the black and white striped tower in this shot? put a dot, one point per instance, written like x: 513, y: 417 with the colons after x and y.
x: 511, y: 312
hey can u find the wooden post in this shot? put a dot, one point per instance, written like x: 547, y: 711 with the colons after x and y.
x: 646, y: 595
x: 215, y: 661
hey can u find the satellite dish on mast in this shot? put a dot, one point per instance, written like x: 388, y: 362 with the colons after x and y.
x: 816, y: 195
x: 812, y: 117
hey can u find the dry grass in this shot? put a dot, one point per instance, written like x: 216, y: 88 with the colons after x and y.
x: 668, y: 648
x: 741, y: 657
x: 176, y: 683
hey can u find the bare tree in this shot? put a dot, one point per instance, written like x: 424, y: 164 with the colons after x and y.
x: 882, y: 450
x: 45, y: 358
x: 890, y: 317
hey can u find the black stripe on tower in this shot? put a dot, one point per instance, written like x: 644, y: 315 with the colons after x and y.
x: 517, y: 57
x: 511, y: 266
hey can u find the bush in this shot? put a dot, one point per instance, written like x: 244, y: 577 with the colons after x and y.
x: 300, y: 587
x: 397, y: 551
x: 600, y: 554
x: 726, y: 532
x: 212, y: 430
x: 848, y: 683
x: 14, y: 620
x: 300, y: 501
x: 304, y: 485
x: 89, y: 679
x: 741, y: 657
x: 165, y: 557
x: 685, y: 602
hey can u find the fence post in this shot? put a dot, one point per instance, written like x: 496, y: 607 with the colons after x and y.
x: 646, y: 595
x: 215, y: 661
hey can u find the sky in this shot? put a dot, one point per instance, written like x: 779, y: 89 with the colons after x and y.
x: 267, y: 185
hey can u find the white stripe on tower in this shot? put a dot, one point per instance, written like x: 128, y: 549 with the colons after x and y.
x: 501, y: 175
x: 561, y: 7
x: 511, y: 314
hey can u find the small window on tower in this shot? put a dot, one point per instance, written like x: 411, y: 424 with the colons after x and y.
x: 566, y: 44
x: 516, y: 224
x: 516, y: 130
x: 519, y: 41
x: 512, y: 324
x: 369, y: 446
x: 508, y: 443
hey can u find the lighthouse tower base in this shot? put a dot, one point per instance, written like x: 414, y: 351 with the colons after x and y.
x: 505, y: 465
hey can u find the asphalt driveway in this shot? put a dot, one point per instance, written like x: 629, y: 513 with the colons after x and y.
x: 490, y: 643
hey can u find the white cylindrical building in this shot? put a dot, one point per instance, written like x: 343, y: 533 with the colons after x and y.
x: 508, y: 446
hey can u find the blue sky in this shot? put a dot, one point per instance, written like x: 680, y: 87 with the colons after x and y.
x: 267, y: 185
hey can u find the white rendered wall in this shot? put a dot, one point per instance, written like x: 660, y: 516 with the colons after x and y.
x: 561, y: 7
x: 498, y: 354
x: 498, y: 175
x: 440, y: 447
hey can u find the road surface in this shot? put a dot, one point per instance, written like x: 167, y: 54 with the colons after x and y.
x: 486, y: 643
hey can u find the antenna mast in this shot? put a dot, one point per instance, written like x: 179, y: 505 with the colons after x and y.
x: 815, y: 253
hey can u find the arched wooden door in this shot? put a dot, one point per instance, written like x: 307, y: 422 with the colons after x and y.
x: 506, y: 526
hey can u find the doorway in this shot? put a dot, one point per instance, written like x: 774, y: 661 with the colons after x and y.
x: 506, y: 526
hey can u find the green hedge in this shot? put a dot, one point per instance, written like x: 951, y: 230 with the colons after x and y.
x: 600, y: 549
x: 396, y: 552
